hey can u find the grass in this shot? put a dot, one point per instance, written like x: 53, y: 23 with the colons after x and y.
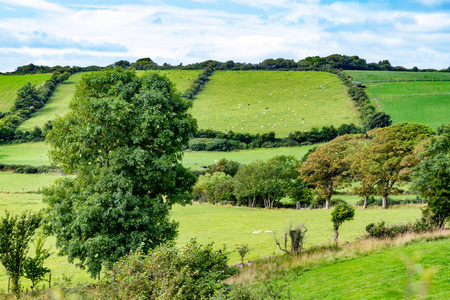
x: 32, y: 153
x: 10, y: 85
x: 423, y: 102
x: 13, y: 183
x: 182, y: 78
x: 57, y: 105
x: 229, y: 226
x: 283, y: 102
x: 381, y: 275
x: 391, y: 76
x: 194, y: 159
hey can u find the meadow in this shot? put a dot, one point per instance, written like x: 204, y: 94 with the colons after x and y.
x: 391, y: 76
x: 226, y: 226
x: 426, y: 102
x: 10, y: 85
x: 282, y: 102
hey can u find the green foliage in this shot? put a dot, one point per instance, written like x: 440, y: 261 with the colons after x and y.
x: 205, y: 186
x: 123, y: 137
x: 431, y: 177
x: 16, y: 232
x: 385, y: 230
x: 242, y: 249
x: 34, y: 266
x: 378, y: 120
x: 167, y: 272
x: 341, y: 213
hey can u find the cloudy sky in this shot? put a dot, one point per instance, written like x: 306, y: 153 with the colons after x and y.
x: 100, y: 32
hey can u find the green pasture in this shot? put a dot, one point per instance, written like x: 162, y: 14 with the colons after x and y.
x: 181, y: 78
x: 229, y: 226
x: 33, y: 153
x: 423, y: 102
x: 381, y: 275
x: 262, y: 101
x: 393, y: 76
x: 12, y: 182
x: 10, y: 85
x: 57, y: 105
x: 195, y: 159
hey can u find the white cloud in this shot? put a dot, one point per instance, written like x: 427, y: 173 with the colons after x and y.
x: 171, y: 34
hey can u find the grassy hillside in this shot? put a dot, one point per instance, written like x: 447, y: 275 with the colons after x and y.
x: 283, y: 102
x: 426, y: 102
x: 59, y: 101
x: 381, y: 275
x: 391, y: 76
x: 229, y: 226
x: 10, y: 85
x: 57, y: 105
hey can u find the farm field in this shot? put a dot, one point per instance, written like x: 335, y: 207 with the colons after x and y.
x: 424, y: 102
x: 59, y: 101
x: 393, y: 76
x: 33, y: 153
x: 12, y: 182
x: 229, y: 226
x: 381, y: 275
x: 283, y: 102
x: 57, y: 105
x: 10, y: 85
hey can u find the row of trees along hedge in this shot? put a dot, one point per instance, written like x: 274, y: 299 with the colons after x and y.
x: 29, y: 99
x: 198, y: 84
x: 367, y: 112
x: 211, y: 140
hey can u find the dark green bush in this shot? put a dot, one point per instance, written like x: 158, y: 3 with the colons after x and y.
x: 385, y: 230
x: 167, y: 272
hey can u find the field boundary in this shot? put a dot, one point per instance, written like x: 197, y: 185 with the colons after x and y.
x: 399, y: 80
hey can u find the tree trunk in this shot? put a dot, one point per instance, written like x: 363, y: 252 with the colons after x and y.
x: 336, y: 235
x: 327, y: 203
x: 384, y: 203
x: 365, y: 202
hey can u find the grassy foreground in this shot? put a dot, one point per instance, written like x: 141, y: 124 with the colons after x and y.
x: 262, y: 101
x: 10, y: 85
x: 229, y: 226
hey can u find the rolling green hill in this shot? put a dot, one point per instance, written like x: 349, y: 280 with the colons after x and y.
x: 283, y: 102
x: 411, y: 99
x: 10, y: 85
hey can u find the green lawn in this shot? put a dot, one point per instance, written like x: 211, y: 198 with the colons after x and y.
x: 380, y: 276
x: 390, y: 76
x: 229, y: 226
x: 263, y: 101
x: 10, y: 85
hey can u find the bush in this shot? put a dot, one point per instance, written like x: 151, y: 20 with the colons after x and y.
x: 167, y: 272
x: 384, y: 230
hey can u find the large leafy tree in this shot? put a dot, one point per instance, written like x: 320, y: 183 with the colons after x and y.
x: 123, y: 138
x: 431, y: 177
x: 388, y: 156
x: 327, y: 167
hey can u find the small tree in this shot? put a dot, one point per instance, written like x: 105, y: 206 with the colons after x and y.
x: 242, y: 250
x: 296, y: 235
x: 15, y: 235
x: 339, y: 215
x: 34, y: 266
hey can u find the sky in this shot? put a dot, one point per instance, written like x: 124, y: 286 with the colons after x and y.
x: 100, y: 32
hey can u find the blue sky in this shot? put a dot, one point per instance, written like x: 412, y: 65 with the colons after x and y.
x: 100, y: 32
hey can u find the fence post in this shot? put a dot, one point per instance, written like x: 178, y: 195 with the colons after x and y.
x: 9, y: 279
x: 50, y: 279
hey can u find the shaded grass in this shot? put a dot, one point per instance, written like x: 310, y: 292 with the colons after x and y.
x: 58, y: 104
x: 271, y: 100
x: 10, y: 85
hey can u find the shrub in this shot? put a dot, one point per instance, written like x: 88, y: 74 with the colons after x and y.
x: 385, y: 230
x: 167, y: 272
